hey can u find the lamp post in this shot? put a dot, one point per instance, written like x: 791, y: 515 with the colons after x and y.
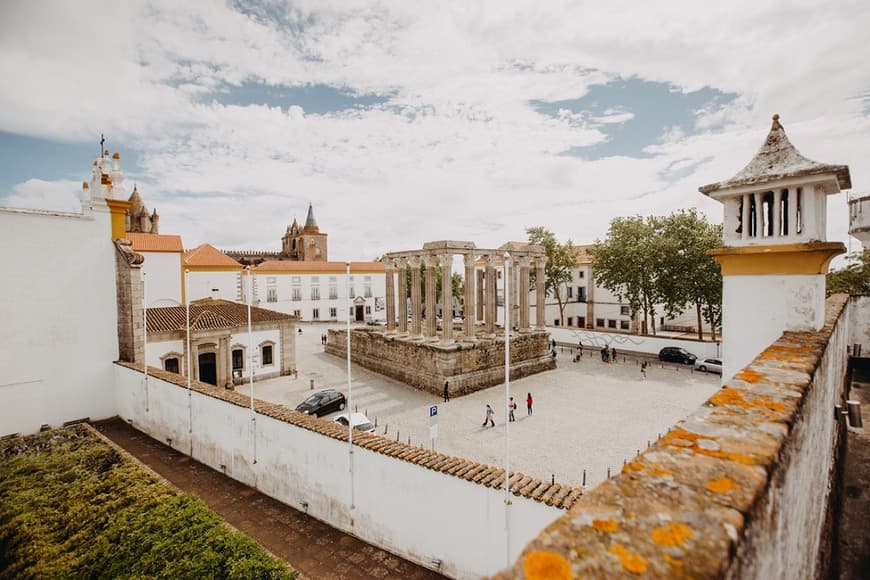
x: 189, y: 359
x: 507, y: 395
x: 349, y: 388
x: 251, y: 359
x: 145, y: 337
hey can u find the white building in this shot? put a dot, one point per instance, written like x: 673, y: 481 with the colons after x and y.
x: 859, y: 219
x: 162, y: 268
x: 213, y: 274
x: 318, y: 291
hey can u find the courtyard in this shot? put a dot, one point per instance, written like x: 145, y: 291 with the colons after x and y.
x: 587, y: 416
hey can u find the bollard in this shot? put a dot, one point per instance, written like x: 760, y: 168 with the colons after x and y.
x: 356, y: 408
x: 409, y: 439
x: 397, y: 435
x: 376, y: 420
x: 608, y: 473
x: 624, y: 462
x: 553, y: 479
x: 647, y: 444
x: 855, y: 414
x: 584, y: 478
x: 312, y: 384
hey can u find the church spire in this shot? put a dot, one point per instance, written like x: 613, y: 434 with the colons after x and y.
x: 310, y: 222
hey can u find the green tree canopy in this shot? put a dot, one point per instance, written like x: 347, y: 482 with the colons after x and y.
x: 561, y: 261
x: 854, y: 278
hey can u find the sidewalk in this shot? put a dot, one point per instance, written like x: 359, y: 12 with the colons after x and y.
x: 312, y: 547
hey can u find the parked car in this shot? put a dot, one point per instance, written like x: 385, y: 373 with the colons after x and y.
x: 323, y: 403
x: 677, y: 354
x: 360, y: 422
x: 709, y: 365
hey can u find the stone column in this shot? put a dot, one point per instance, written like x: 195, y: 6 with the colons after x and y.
x: 759, y: 216
x: 470, y: 306
x: 223, y: 361
x: 809, y: 223
x: 402, y: 301
x: 792, y: 211
x: 431, y: 327
x: 777, y: 213
x: 491, y: 310
x: 481, y: 300
x: 416, y: 299
x: 523, y: 263
x: 391, y: 295
x: 540, y: 293
x: 744, y: 232
x: 446, y: 298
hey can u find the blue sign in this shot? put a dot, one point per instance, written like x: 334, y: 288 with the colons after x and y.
x: 433, y: 410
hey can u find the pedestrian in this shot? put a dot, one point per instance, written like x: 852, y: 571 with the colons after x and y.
x: 643, y: 371
x: 488, y: 418
x: 511, y: 408
x: 604, y: 353
x: 529, y: 403
x: 446, y: 391
x: 553, y: 344
x: 612, y: 354
x: 580, y: 347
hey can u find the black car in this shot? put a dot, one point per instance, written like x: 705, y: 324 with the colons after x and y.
x: 677, y: 354
x: 323, y: 403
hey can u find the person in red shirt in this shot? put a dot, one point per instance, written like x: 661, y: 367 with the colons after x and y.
x: 529, y: 403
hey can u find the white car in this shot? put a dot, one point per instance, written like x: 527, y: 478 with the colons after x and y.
x: 709, y: 365
x: 360, y: 422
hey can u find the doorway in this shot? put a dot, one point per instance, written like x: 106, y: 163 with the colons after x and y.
x: 359, y: 315
x: 208, y: 368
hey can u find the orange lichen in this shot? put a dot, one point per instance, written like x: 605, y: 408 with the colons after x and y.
x: 733, y: 397
x: 543, y: 565
x: 672, y: 535
x: 608, y: 526
x: 634, y: 563
x: 673, y: 561
x: 728, y: 396
x: 633, y: 466
x: 749, y: 375
x: 660, y: 472
x: 721, y: 485
x: 739, y: 458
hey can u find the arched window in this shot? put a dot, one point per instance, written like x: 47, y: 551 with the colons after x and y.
x: 267, y: 353
x: 171, y: 362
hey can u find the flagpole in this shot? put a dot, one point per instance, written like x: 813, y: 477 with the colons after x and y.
x: 507, y: 394
x: 251, y: 358
x: 189, y: 359
x: 349, y: 388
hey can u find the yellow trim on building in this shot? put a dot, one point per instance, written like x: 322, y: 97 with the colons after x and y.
x: 183, y: 280
x: 238, y: 268
x: 788, y: 259
x: 118, y: 208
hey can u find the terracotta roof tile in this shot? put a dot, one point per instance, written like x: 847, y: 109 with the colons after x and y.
x: 155, y: 242
x: 315, y: 267
x: 208, y: 255
x: 209, y: 313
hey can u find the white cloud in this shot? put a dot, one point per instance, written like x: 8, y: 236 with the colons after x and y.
x: 458, y: 152
x: 48, y: 195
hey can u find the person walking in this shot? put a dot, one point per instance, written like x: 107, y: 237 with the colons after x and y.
x: 511, y: 408
x: 446, y: 391
x: 612, y: 354
x: 488, y: 418
x: 580, y: 347
x: 529, y: 403
x: 643, y: 371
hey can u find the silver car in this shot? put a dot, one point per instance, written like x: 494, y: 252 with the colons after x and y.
x: 709, y: 365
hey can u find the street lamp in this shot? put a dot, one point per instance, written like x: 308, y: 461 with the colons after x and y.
x: 349, y: 387
x: 250, y: 296
x: 507, y: 395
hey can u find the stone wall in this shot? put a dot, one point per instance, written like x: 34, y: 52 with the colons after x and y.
x: 740, y: 489
x: 467, y: 366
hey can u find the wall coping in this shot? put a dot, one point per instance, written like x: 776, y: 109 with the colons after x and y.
x: 679, y: 509
x: 552, y: 494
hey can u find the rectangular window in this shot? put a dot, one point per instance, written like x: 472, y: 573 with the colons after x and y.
x: 623, y: 310
x: 315, y: 314
x: 267, y: 354
x: 570, y: 321
x: 271, y: 280
x: 611, y: 324
x: 581, y: 321
x: 315, y: 292
x: 315, y: 280
x: 333, y: 293
x: 599, y: 322
x: 296, y: 294
x: 171, y: 365
x: 367, y: 291
x: 333, y: 280
x: 297, y: 313
x: 271, y: 295
x: 238, y: 359
x: 333, y: 312
x: 581, y: 274
x: 623, y: 324
x: 297, y: 280
x: 581, y: 293
x: 555, y: 322
x: 570, y: 294
x: 368, y: 310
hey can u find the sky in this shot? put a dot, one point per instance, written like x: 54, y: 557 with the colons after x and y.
x: 406, y: 122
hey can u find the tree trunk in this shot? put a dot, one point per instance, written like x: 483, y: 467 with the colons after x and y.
x: 700, y: 320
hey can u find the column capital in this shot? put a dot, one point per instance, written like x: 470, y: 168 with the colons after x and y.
x: 522, y: 261
x: 414, y: 261
x: 489, y: 259
x: 540, y: 261
x: 389, y: 264
x: 445, y: 260
x: 429, y: 260
x: 469, y: 259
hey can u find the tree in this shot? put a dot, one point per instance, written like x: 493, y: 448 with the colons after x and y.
x: 689, y: 276
x: 628, y: 264
x: 854, y: 278
x: 561, y: 261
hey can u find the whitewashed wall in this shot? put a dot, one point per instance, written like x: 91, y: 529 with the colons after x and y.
x: 58, y: 320
x: 414, y: 512
x: 162, y: 278
x: 283, y: 284
x: 633, y: 342
x: 860, y: 316
x: 200, y: 285
x: 157, y: 350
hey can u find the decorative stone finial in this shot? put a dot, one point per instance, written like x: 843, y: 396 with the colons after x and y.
x: 776, y: 124
x: 85, y: 185
x: 116, y: 155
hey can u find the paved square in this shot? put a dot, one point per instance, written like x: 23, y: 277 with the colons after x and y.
x: 587, y: 415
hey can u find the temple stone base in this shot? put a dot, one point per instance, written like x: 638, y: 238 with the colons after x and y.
x: 468, y: 366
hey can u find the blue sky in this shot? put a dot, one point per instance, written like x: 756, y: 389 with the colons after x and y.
x: 404, y: 124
